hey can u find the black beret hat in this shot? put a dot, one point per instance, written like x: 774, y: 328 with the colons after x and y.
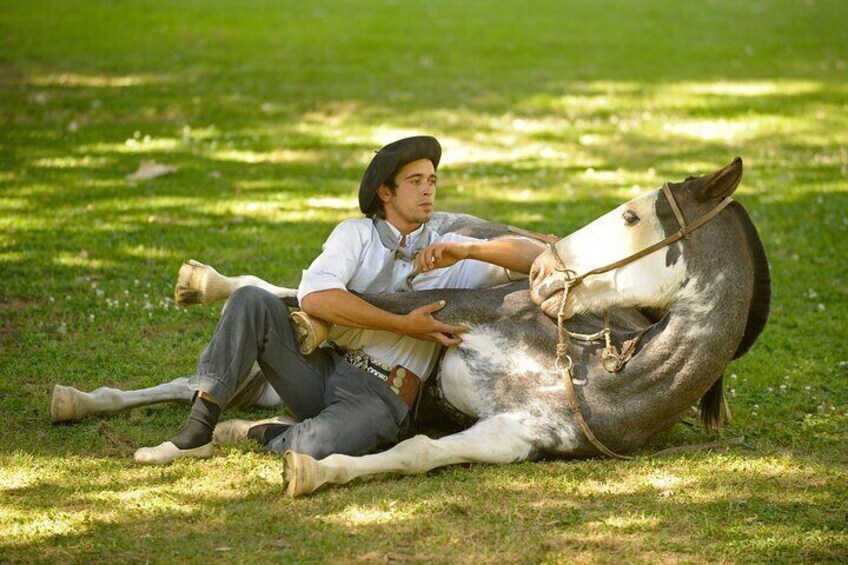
x: 392, y: 157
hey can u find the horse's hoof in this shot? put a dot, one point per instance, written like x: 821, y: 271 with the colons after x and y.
x: 64, y: 406
x: 231, y: 432
x: 186, y: 297
x: 299, y: 474
x: 234, y: 432
x: 309, y: 332
x: 167, y: 452
x: 191, y: 283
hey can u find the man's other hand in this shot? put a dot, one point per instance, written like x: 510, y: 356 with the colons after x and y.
x: 440, y: 255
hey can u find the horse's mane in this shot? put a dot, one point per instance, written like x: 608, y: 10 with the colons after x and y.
x: 758, y: 312
x: 712, y: 403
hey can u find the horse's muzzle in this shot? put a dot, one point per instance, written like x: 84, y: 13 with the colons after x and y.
x: 543, y: 280
x: 548, y: 284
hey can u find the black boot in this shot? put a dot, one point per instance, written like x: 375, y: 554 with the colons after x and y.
x: 197, y: 430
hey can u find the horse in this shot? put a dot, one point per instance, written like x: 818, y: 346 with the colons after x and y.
x: 540, y: 374
x: 682, y: 298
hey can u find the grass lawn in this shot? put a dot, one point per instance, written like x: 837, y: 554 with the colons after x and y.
x: 550, y: 114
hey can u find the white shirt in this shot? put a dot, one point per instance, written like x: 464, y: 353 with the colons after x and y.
x: 352, y: 259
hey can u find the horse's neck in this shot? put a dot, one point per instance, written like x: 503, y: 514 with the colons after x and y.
x: 678, y: 360
x: 696, y: 339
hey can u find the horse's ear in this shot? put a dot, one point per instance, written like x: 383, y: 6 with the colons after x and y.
x: 723, y: 182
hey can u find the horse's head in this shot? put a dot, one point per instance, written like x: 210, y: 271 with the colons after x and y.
x: 650, y: 281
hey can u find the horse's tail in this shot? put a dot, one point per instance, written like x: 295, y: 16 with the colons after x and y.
x: 714, y: 409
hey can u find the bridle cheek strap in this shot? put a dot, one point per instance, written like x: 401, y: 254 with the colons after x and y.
x: 678, y: 213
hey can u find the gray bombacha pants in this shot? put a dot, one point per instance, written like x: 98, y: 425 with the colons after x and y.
x: 344, y: 409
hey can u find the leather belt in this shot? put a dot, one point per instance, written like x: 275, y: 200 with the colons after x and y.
x: 399, y: 379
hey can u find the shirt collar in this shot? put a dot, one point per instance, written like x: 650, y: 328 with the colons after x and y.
x: 411, y: 237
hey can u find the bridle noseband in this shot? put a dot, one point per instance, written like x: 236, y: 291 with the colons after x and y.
x: 612, y: 360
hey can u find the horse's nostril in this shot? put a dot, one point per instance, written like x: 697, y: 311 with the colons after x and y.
x: 541, y: 272
x: 535, y: 271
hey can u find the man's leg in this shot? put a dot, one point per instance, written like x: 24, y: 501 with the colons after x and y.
x: 254, y: 327
x: 362, y: 414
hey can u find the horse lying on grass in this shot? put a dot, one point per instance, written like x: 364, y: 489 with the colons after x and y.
x: 539, y: 373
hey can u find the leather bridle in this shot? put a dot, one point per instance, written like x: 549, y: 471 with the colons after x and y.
x: 683, y: 232
x: 564, y: 362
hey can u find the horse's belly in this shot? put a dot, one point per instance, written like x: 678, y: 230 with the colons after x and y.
x: 458, y: 384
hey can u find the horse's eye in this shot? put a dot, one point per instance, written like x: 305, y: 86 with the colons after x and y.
x: 630, y: 218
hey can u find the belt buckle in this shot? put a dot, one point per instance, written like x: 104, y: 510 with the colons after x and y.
x: 400, y: 380
x: 375, y: 370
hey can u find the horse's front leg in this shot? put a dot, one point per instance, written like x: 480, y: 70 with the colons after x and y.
x: 201, y: 284
x: 504, y: 438
x: 69, y: 404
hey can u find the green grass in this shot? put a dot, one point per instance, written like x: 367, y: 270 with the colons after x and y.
x: 550, y: 114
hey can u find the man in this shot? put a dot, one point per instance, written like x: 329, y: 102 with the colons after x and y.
x: 355, y: 395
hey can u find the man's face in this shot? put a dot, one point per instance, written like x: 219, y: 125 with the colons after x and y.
x: 414, y: 198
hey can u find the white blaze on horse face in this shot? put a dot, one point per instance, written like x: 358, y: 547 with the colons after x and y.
x: 622, y: 232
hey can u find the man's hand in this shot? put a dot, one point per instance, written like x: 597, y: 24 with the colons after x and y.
x: 440, y: 255
x: 340, y: 307
x: 421, y: 324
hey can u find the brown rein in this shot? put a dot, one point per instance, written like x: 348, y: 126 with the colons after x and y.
x: 564, y: 363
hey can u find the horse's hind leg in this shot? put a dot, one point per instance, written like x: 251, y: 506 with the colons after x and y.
x: 501, y: 439
x: 69, y: 404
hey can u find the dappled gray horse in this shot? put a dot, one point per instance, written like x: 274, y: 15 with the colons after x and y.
x: 683, y: 280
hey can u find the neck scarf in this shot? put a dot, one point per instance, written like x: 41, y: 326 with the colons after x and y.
x: 390, y: 241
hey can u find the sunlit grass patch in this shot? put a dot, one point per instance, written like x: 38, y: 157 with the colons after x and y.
x: 278, y: 156
x: 81, y: 260
x: 355, y: 516
x: 70, y: 162
x: 72, y: 80
x: 132, y: 146
x: 84, y: 495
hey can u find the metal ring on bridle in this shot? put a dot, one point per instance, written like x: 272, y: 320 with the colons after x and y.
x: 561, y: 369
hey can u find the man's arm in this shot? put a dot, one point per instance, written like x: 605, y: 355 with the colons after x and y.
x: 343, y: 308
x: 515, y: 254
x: 323, y: 294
